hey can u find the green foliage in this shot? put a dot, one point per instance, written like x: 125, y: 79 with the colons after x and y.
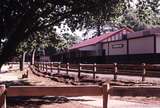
x: 145, y: 14
x: 21, y: 20
x: 40, y: 39
x: 112, y: 11
x: 67, y: 40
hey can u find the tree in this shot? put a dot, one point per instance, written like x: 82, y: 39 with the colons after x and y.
x: 45, y: 39
x: 144, y: 14
x: 66, y: 37
x: 100, y: 20
x: 92, y: 32
x: 23, y: 19
x: 31, y: 46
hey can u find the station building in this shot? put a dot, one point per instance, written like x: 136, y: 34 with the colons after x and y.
x: 121, y: 46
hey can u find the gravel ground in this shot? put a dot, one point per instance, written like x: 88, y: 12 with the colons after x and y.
x: 14, y: 78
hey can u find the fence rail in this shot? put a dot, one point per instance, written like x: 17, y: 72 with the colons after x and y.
x: 105, y: 91
x: 142, y: 70
x: 54, y: 91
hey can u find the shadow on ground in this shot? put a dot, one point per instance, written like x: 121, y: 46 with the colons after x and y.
x: 16, y: 83
x: 37, y: 102
x: 3, y: 72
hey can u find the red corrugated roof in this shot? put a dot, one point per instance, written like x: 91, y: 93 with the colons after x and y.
x: 97, y: 39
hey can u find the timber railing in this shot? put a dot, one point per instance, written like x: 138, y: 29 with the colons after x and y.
x: 142, y: 70
x: 105, y: 91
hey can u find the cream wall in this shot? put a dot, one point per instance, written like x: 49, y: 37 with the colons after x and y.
x: 158, y: 44
x: 141, y: 45
x: 88, y: 48
x: 115, y: 50
x: 105, y: 47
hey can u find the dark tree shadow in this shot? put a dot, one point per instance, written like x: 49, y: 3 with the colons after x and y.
x: 36, y: 102
x: 16, y: 83
x: 3, y: 72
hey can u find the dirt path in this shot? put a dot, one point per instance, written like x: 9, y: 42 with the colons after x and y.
x: 14, y: 78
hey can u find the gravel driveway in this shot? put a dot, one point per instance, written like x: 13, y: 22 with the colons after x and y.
x: 74, y: 102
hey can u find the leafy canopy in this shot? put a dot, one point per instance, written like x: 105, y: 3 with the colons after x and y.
x: 23, y: 19
x: 142, y: 14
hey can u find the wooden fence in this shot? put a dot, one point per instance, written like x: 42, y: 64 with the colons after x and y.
x: 142, y: 70
x: 105, y: 91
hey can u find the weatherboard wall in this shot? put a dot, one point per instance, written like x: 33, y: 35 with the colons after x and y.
x: 157, y: 44
x: 106, y: 48
x: 143, y: 45
x: 146, y: 42
x: 118, y: 47
x: 88, y: 48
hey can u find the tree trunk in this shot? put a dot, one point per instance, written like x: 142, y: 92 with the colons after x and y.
x: 22, y: 60
x: 17, y: 35
x: 8, y: 52
x: 9, y: 49
x: 33, y: 57
x: 21, y: 64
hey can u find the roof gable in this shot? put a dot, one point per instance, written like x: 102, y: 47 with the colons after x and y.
x: 97, y: 39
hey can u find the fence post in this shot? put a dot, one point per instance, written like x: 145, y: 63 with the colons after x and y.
x: 94, y: 70
x: 2, y: 96
x: 38, y: 66
x: 67, y: 68
x: 51, y: 67
x: 58, y: 68
x: 79, y: 70
x: 43, y: 66
x: 46, y: 67
x: 144, y: 71
x: 115, y: 71
x: 105, y: 90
